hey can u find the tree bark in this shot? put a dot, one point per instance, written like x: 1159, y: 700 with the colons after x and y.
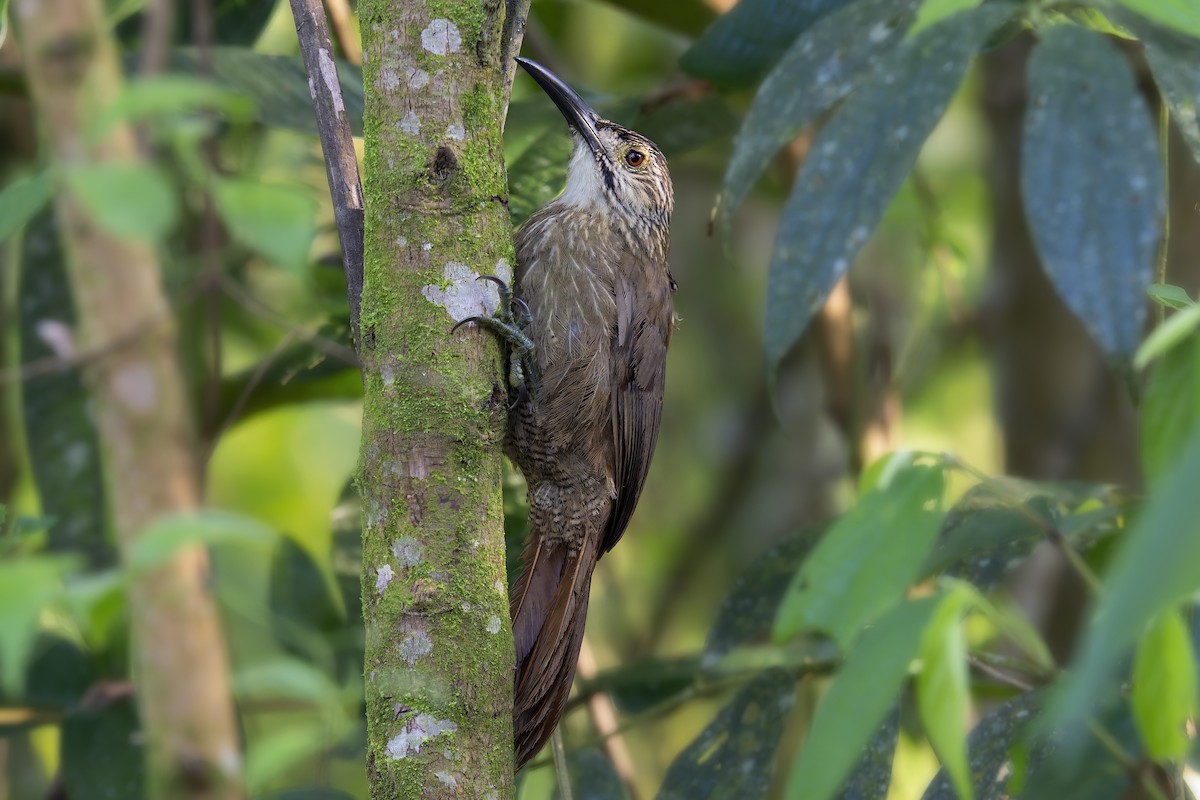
x: 141, y: 412
x: 439, y: 655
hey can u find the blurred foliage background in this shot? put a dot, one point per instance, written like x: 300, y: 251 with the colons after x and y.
x: 944, y: 338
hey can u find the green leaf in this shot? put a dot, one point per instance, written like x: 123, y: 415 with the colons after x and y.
x: 821, y: 67
x: 58, y: 675
x: 872, y: 775
x: 748, y: 611
x: 60, y: 429
x: 688, y: 17
x: 275, y: 221
x: 643, y: 684
x: 1182, y: 15
x: 857, y: 700
x: 1173, y: 297
x: 1154, y: 569
x: 130, y: 200
x: 291, y: 679
x: 22, y: 199
x: 1175, y: 329
x: 27, y: 586
x: 162, y: 539
x: 733, y: 756
x: 1096, y: 230
x: 934, y: 11
x: 857, y: 164
x: 1164, y: 686
x: 742, y: 43
x: 943, y: 696
x: 170, y: 94
x: 1175, y: 63
x: 995, y: 525
x: 862, y: 566
x: 1170, y: 409
x: 989, y: 745
x: 310, y: 793
x: 537, y: 175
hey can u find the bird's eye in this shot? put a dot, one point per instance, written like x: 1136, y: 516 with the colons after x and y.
x: 635, y: 158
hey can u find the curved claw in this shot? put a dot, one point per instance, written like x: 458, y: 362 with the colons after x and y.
x: 494, y: 279
x: 464, y: 321
x: 523, y: 306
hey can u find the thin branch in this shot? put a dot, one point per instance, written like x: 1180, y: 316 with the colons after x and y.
x: 604, y: 719
x: 341, y: 163
x: 561, y: 773
x: 516, y: 12
x: 999, y: 675
x: 343, y: 28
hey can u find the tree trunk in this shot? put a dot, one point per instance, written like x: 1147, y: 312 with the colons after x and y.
x: 140, y: 409
x: 439, y: 655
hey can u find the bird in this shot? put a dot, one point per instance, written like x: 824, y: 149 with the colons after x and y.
x: 587, y: 325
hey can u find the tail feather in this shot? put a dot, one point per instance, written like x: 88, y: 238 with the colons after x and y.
x: 549, y: 610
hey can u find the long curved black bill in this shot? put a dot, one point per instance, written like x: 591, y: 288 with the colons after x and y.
x: 578, y: 113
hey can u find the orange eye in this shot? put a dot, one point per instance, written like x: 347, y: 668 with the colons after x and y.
x: 634, y: 158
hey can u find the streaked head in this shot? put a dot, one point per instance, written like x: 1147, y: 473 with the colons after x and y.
x: 610, y: 164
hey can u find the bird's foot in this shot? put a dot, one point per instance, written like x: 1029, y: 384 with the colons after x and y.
x: 509, y: 328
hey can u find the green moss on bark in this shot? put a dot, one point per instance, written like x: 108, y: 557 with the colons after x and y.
x: 439, y: 647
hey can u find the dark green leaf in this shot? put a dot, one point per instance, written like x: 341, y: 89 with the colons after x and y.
x: 862, y: 566
x: 1096, y: 230
x: 688, y: 17
x: 1154, y: 569
x: 130, y: 200
x: 592, y: 777
x: 103, y: 752
x: 989, y: 746
x: 276, y: 221
x: 858, y: 699
x: 277, y: 85
x: 741, y: 44
x: 821, y: 67
x: 1078, y: 766
x: 996, y: 525
x: 1173, y: 297
x: 943, y: 695
x: 1164, y: 687
x: 684, y: 124
x: 857, y: 163
x: 22, y: 199
x: 748, y: 611
x: 644, y: 684
x: 733, y: 756
x: 64, y: 450
x: 1170, y: 408
x: 309, y: 793
x: 871, y: 777
x: 1174, y: 61
x: 58, y: 675
x: 537, y: 175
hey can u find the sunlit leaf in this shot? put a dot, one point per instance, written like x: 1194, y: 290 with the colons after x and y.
x: 1164, y: 686
x: 27, y: 586
x: 739, y: 46
x: 162, y: 539
x: 932, y: 12
x: 857, y: 164
x: 130, y: 200
x: 943, y: 695
x: 862, y: 566
x: 1182, y: 15
x: 1096, y: 230
x: 275, y: 221
x: 733, y: 756
x: 1170, y: 408
x: 821, y: 67
x: 1177, y: 328
x: 21, y: 199
x: 1154, y: 569
x: 1170, y: 296
x: 857, y: 700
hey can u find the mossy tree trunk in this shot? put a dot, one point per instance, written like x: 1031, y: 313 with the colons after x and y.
x: 141, y: 410
x: 439, y: 653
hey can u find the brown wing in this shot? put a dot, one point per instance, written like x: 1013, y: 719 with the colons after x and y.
x: 639, y: 355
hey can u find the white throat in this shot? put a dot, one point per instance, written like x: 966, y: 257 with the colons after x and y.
x: 583, y: 188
